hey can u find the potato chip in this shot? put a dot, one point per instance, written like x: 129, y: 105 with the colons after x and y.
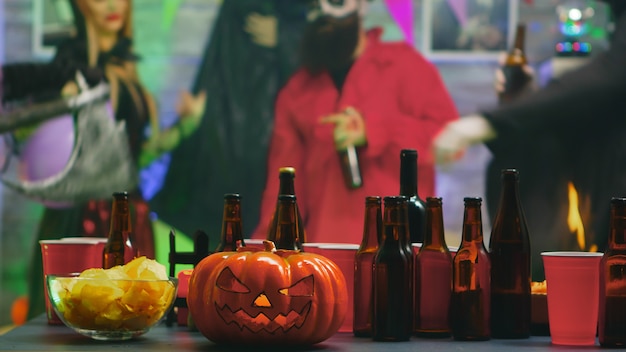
x: 127, y: 297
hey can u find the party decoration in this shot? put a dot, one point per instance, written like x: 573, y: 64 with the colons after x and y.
x: 402, y: 12
x: 100, y: 160
x: 46, y: 152
x: 269, y: 297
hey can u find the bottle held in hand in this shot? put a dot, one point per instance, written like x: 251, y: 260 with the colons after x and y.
x: 515, y: 77
x: 350, y: 167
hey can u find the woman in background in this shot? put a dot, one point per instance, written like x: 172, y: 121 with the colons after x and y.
x: 102, y: 47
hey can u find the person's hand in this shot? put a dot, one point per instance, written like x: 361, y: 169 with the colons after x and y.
x: 81, y: 82
x: 450, y: 144
x: 499, y: 81
x: 70, y: 89
x: 349, y: 128
x: 190, y: 110
x: 262, y: 29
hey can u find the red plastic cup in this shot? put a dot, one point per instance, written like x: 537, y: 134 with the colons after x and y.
x: 343, y: 255
x: 65, y: 256
x: 573, y: 280
x: 182, y: 292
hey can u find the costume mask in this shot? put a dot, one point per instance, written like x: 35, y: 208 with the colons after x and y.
x: 335, y: 8
x: 329, y: 42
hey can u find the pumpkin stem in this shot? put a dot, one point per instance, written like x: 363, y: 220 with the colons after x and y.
x: 269, y: 246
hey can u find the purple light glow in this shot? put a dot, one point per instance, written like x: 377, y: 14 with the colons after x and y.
x: 402, y: 12
x: 459, y: 7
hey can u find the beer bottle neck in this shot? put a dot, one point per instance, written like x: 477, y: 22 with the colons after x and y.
x: 517, y: 54
x: 408, y: 173
x: 472, y: 221
x: 395, y: 221
x: 120, y: 216
x: 509, y: 223
x: 232, y: 230
x: 287, y: 184
x: 434, y: 236
x: 520, y: 37
x: 287, y: 223
x: 372, y: 227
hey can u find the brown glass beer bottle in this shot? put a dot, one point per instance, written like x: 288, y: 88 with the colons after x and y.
x: 408, y: 188
x: 392, y: 276
x: 509, y: 252
x: 119, y: 247
x: 350, y: 167
x: 286, y: 223
x: 231, y: 236
x: 433, y: 277
x: 286, y: 176
x: 612, y: 317
x: 363, y: 266
x: 514, y: 75
x: 471, y: 276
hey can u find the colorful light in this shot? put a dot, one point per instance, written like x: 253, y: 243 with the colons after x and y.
x: 572, y: 47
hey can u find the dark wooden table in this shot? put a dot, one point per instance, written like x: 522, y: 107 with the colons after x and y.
x: 37, y: 335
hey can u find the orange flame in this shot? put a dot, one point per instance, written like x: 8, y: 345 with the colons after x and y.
x: 574, y: 220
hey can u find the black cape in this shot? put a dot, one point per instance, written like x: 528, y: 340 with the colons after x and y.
x: 573, y: 131
x: 227, y: 154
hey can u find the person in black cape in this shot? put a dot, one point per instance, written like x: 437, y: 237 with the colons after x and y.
x: 571, y: 131
x: 252, y: 51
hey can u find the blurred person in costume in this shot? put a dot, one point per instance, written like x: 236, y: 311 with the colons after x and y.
x: 352, y: 89
x: 571, y: 131
x: 250, y: 54
x: 101, y: 50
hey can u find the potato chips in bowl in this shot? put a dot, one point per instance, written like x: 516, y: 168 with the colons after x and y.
x: 113, y: 304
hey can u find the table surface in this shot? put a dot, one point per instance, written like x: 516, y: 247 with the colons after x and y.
x: 37, y: 335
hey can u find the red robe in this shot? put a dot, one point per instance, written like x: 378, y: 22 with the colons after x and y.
x: 404, y: 104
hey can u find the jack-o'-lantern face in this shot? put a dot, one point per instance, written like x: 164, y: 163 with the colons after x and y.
x: 263, y: 308
x: 267, y: 297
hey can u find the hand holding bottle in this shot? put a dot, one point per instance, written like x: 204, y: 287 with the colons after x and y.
x: 349, y: 128
x: 348, y: 134
x: 514, y: 72
x: 500, y: 79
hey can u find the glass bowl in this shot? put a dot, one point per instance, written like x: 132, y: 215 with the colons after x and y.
x: 110, y: 309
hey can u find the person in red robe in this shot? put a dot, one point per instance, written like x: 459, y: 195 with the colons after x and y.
x: 352, y: 89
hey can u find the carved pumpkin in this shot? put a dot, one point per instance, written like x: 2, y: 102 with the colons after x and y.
x: 267, y: 297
